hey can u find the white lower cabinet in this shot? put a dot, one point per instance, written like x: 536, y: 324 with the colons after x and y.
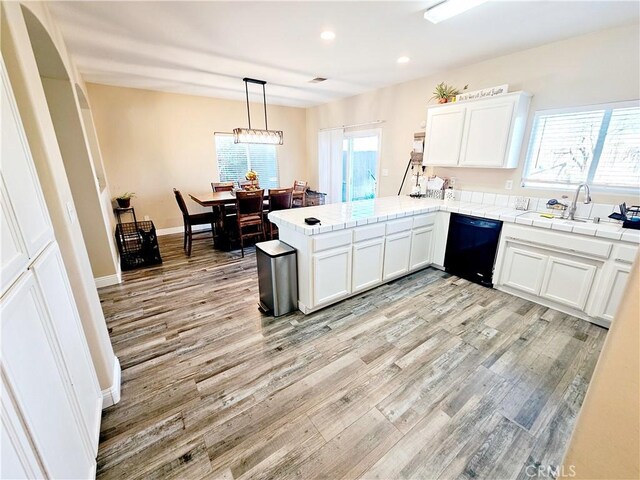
x: 523, y: 269
x: 397, y: 249
x: 368, y: 260
x: 421, y: 247
x: 331, y: 275
x: 615, y: 281
x: 568, y: 282
x: 35, y: 375
x: 563, y: 280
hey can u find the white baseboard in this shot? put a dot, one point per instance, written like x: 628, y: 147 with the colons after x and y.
x: 114, y: 279
x: 172, y: 230
x: 111, y: 395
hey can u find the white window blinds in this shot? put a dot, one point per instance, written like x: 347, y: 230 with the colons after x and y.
x: 600, y: 146
x: 236, y: 159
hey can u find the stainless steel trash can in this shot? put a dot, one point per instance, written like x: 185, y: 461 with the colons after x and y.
x: 277, y: 277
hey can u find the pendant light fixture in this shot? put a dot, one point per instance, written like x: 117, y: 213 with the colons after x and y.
x: 251, y: 135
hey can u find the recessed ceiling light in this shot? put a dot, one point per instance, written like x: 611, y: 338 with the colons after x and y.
x: 449, y: 8
x: 327, y: 35
x: 403, y: 60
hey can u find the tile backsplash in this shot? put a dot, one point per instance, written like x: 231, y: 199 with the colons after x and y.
x: 537, y: 204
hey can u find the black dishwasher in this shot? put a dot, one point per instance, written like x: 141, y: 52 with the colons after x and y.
x: 471, y: 248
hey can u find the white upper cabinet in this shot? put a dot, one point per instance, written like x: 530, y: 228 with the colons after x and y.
x: 13, y: 253
x: 485, y: 133
x: 20, y: 179
x: 443, y: 138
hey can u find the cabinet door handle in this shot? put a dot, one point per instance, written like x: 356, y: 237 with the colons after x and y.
x: 623, y: 260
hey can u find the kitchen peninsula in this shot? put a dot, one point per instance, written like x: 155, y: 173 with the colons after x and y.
x: 574, y: 267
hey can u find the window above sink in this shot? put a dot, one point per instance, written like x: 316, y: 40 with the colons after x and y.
x: 598, y: 144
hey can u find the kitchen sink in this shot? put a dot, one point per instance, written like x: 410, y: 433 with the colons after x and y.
x: 566, y: 221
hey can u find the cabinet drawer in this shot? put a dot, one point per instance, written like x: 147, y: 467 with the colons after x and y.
x: 331, y: 240
x: 573, y: 244
x: 424, y: 220
x: 361, y: 234
x: 624, y: 253
x: 401, y: 225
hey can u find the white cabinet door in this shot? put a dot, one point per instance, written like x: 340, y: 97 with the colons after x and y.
x: 20, y: 178
x: 523, y: 269
x: 331, y: 275
x: 486, y: 134
x: 34, y: 374
x: 614, y: 285
x: 367, y: 264
x: 568, y: 282
x: 49, y: 273
x: 421, y: 247
x: 443, y: 135
x: 18, y: 457
x: 397, y: 249
x: 13, y: 253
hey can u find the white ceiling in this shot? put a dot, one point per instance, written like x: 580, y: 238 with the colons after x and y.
x: 206, y: 48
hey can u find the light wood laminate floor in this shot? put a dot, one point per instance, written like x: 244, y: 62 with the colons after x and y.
x: 427, y: 377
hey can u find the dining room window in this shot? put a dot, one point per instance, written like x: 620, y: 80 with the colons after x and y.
x: 236, y: 159
x: 596, y: 144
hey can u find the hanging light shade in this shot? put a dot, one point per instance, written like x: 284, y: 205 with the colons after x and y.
x: 246, y: 135
x: 252, y: 135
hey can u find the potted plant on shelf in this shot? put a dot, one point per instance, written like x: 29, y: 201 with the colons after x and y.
x: 445, y: 93
x: 124, y: 200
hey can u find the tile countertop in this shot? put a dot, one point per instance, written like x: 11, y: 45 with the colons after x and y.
x: 338, y: 216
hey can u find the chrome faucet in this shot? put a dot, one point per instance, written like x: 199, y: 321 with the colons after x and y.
x: 587, y: 200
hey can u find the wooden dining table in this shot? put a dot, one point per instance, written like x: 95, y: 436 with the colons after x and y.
x: 224, y: 234
x: 216, y: 199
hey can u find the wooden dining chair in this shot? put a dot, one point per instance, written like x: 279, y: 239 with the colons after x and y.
x: 222, y: 186
x: 193, y: 219
x: 279, y: 199
x: 249, y: 210
x: 299, y: 190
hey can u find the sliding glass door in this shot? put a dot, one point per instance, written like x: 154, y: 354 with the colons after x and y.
x: 360, y: 164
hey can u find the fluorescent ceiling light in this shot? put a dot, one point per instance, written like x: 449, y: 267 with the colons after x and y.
x: 403, y: 60
x: 327, y: 35
x: 450, y: 8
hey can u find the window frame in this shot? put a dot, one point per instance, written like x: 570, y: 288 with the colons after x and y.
x: 364, y: 132
x: 541, y: 185
x: 248, y: 154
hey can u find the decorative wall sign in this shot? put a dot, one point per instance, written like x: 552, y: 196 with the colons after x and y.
x: 485, y: 92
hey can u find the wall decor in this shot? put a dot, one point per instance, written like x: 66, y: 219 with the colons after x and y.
x: 485, y: 92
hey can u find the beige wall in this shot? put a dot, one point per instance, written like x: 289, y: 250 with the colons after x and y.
x: 154, y: 141
x: 606, y: 440
x: 596, y: 68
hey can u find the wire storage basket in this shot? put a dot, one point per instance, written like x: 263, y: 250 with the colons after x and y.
x: 138, y: 244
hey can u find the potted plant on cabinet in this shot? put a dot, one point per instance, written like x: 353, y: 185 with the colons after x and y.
x: 124, y: 200
x: 445, y: 93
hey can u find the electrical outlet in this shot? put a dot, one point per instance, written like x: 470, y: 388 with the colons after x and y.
x: 385, y: 172
x: 146, y: 217
x: 453, y: 181
x: 508, y: 185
